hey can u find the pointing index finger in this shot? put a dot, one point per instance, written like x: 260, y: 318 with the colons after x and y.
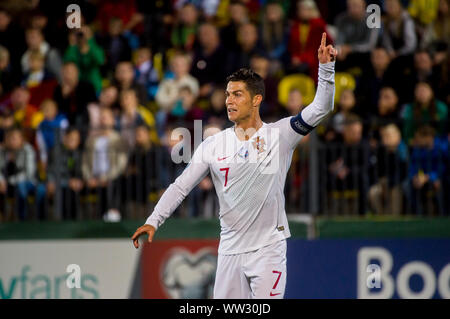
x: 324, y: 40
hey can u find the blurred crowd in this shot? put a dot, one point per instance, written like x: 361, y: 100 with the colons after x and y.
x: 87, y: 114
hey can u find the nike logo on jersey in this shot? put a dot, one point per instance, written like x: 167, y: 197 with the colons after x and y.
x: 222, y: 159
x: 273, y: 295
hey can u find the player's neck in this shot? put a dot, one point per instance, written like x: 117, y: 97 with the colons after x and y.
x: 244, y: 130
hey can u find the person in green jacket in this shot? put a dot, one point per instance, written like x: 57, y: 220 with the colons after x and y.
x: 425, y: 109
x: 87, y: 55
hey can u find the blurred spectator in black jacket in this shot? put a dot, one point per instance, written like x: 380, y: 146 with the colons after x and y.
x: 238, y: 16
x: 347, y: 167
x: 65, y: 179
x: 373, y: 79
x: 274, y: 32
x: 124, y: 79
x: 12, y: 38
x: 390, y: 169
x: 388, y: 112
x: 142, y: 176
x: 261, y: 65
x: 208, y: 65
x: 248, y: 46
x: 73, y: 96
x: 115, y: 44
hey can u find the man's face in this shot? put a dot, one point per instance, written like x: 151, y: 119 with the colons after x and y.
x: 70, y: 74
x: 380, y: 59
x: 20, y: 98
x: 239, y: 102
x: 34, y: 39
x: 352, y: 133
x: 129, y: 102
x: 207, y: 35
x: 106, y: 119
x: 72, y: 140
x: 422, y: 61
x: 124, y: 72
x: 356, y: 8
x: 108, y: 96
x: 14, y: 140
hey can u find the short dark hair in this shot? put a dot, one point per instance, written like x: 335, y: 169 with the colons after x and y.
x: 253, y: 81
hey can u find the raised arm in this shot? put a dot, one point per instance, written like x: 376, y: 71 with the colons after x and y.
x: 173, y: 196
x: 314, y: 113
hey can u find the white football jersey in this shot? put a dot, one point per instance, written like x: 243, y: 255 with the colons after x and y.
x: 249, y: 176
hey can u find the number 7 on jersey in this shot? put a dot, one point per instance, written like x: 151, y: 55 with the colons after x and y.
x: 226, y: 170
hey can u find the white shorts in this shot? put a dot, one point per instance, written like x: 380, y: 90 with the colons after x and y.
x: 259, y: 274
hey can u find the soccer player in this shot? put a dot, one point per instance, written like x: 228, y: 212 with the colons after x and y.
x: 248, y: 164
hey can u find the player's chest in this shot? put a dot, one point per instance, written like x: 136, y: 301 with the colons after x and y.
x: 234, y: 160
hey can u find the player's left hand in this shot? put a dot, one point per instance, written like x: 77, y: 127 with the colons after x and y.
x: 326, y: 53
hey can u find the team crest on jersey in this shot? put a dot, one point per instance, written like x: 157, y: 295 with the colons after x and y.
x: 259, y: 144
x: 243, y: 152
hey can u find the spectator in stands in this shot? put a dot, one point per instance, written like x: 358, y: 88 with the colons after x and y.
x: 354, y: 39
x: 217, y: 112
x: 7, y: 77
x: 208, y: 65
x: 248, y: 46
x: 108, y: 99
x: 124, y: 79
x: 65, y: 179
x: 125, y: 10
x: 387, y: 113
x: 185, y: 30
x: 261, y: 65
x: 50, y: 130
x: 88, y: 56
x: 294, y: 103
x: 143, y: 169
x: 186, y: 110
x: 73, y: 95
x: 36, y: 73
x: 429, y: 155
x: 169, y: 90
x: 6, y: 123
x: 146, y: 74
x: 157, y: 24
x: 26, y: 115
x: 104, y: 161
x: 18, y: 173
x: 347, y: 162
x: 238, y: 16
x: 373, y: 79
x: 36, y: 42
x: 399, y: 36
x: 115, y: 44
x: 133, y: 115
x: 425, y: 109
x: 437, y: 33
x: 274, y: 32
x: 12, y: 37
x: 390, y: 163
x: 345, y: 108
x: 306, y: 31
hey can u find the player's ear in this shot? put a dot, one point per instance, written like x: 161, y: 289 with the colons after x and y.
x: 257, y: 100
